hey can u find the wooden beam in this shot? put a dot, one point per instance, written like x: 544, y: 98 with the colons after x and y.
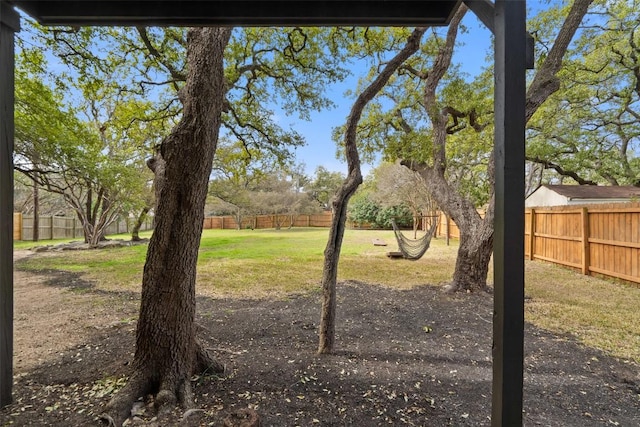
x: 508, y: 318
x: 485, y: 10
x: 241, y: 12
x: 9, y: 24
x: 532, y: 233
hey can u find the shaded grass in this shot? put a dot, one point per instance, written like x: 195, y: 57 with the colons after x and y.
x: 274, y: 264
x: 601, y: 313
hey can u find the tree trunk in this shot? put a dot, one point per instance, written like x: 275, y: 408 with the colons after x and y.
x: 135, y: 232
x: 349, y: 186
x: 476, y: 233
x: 157, y: 166
x: 166, y: 348
x: 36, y: 212
x: 474, y: 254
x: 86, y: 216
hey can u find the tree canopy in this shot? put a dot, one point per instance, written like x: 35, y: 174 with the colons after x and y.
x: 589, y: 131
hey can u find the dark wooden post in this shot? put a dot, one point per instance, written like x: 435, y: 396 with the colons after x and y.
x: 9, y: 24
x: 508, y: 318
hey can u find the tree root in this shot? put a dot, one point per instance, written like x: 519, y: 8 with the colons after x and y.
x: 166, y: 395
x: 119, y: 407
x: 204, y: 362
x: 454, y: 287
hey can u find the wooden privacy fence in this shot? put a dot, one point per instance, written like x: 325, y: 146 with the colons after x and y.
x: 52, y: 227
x: 268, y: 221
x: 448, y: 229
x: 602, y: 239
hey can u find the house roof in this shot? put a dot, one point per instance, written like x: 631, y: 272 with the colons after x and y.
x: 240, y: 12
x: 596, y: 191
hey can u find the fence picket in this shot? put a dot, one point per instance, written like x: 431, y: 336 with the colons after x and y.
x: 603, y: 239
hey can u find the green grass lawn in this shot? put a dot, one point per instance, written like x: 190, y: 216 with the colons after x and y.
x: 271, y: 263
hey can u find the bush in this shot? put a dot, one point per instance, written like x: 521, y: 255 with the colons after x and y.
x: 400, y: 213
x: 363, y: 211
x: 367, y: 211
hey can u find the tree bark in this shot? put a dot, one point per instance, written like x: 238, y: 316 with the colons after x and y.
x: 166, y: 346
x: 36, y: 212
x: 157, y: 166
x: 349, y: 186
x: 135, y: 232
x: 476, y: 233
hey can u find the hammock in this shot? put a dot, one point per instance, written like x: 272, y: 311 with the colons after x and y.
x: 414, y: 249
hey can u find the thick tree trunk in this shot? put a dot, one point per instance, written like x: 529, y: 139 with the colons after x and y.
x: 474, y: 254
x: 476, y: 233
x: 349, y: 186
x: 166, y: 346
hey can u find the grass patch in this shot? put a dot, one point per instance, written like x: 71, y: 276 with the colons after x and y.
x: 274, y: 264
x: 601, y: 313
x: 27, y: 244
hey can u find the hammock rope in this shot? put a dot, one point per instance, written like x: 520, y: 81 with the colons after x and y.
x: 414, y: 249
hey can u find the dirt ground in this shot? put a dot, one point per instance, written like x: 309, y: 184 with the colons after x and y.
x: 418, y: 357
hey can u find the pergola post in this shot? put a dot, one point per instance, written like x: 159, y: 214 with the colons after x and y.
x: 509, y: 146
x: 510, y: 62
x: 9, y: 24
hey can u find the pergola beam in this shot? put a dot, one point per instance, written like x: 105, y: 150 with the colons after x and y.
x: 506, y: 19
x: 485, y: 11
x: 242, y: 12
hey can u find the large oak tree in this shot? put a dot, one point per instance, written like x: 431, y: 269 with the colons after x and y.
x: 451, y: 149
x: 167, y: 352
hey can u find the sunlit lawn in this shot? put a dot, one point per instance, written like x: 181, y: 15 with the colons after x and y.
x: 259, y: 263
x: 271, y: 263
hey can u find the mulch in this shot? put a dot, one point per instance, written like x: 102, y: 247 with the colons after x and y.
x: 416, y: 357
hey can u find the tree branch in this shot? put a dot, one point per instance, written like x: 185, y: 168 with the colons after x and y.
x: 546, y: 81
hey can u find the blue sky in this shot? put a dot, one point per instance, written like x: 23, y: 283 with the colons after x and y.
x: 472, y: 53
x: 475, y: 48
x: 320, y: 149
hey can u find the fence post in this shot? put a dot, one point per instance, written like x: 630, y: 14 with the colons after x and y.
x: 448, y: 228
x: 532, y: 232
x: 17, y: 226
x: 585, y: 241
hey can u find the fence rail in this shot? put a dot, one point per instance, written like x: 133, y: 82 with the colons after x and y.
x: 594, y: 239
x: 63, y: 227
x: 229, y: 222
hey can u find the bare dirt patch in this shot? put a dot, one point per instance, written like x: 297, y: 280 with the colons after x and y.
x: 405, y: 357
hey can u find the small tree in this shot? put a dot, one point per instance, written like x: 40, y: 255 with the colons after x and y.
x: 349, y: 186
x: 398, y: 186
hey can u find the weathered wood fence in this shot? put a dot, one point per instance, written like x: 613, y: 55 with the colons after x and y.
x: 268, y: 221
x: 447, y: 227
x: 594, y: 239
x: 63, y: 227
x: 599, y: 239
